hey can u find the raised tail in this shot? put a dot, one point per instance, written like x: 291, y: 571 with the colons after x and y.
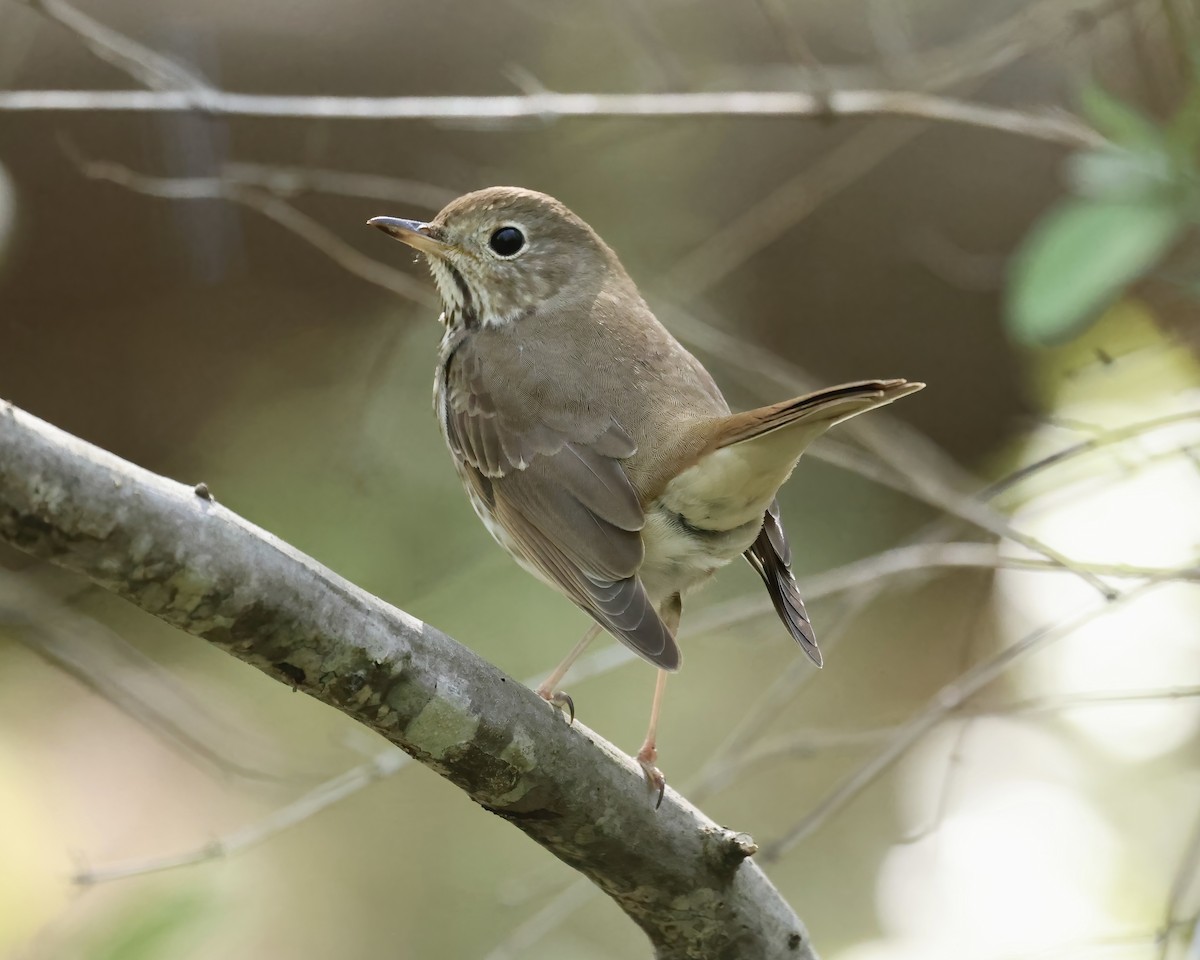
x: 750, y: 455
x: 819, y: 410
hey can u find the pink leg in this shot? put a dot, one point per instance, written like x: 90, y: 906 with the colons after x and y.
x: 548, y: 690
x: 648, y: 755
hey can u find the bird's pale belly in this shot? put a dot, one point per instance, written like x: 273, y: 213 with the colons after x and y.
x: 680, y: 557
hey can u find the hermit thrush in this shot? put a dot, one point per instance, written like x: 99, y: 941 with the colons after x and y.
x: 596, y: 449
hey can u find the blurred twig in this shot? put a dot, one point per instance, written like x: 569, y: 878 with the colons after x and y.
x: 1185, y: 879
x: 941, y: 705
x: 810, y: 743
x: 1053, y: 127
x: 1036, y: 27
x: 325, y: 795
x: 534, y: 928
x: 271, y: 206
x: 290, y: 182
x: 147, y: 66
x: 133, y: 683
x: 957, y: 755
x: 759, y: 225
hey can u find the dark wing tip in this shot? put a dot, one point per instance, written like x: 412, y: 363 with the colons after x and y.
x: 625, y: 611
x: 671, y: 659
x: 768, y: 556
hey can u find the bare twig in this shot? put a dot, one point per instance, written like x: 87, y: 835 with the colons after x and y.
x: 133, y: 683
x: 761, y: 224
x: 957, y: 755
x: 1053, y: 127
x: 944, y: 703
x: 149, y: 67
x: 571, y: 898
x: 272, y: 207
x: 1185, y: 879
x: 325, y: 795
x: 804, y: 744
x: 291, y: 182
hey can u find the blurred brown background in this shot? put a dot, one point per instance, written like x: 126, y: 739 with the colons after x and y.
x: 203, y: 341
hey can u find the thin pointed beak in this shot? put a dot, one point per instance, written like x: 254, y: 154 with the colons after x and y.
x: 412, y: 232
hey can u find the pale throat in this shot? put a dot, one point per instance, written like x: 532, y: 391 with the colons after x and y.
x: 468, y: 305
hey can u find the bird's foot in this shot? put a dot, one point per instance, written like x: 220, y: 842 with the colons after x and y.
x: 655, y: 781
x: 556, y: 698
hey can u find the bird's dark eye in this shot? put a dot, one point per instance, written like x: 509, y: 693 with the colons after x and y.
x: 507, y: 242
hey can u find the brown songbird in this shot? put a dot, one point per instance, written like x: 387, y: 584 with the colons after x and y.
x: 596, y: 449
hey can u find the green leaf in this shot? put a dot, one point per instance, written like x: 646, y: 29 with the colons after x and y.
x: 1183, y: 130
x: 1079, y: 258
x: 1121, y: 122
x: 1117, y: 173
x: 151, y: 932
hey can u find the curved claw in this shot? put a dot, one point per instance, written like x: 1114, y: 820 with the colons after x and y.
x: 558, y: 699
x: 654, y: 777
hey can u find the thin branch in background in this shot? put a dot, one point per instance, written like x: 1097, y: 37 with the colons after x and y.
x: 1105, y: 438
x: 288, y: 182
x: 1182, y: 883
x: 1055, y: 703
x: 759, y: 225
x: 954, y: 265
x: 532, y: 930
x: 272, y: 207
x: 957, y: 755
x: 146, y: 66
x: 982, y: 55
x: 1093, y: 947
x: 133, y: 683
x: 1051, y: 127
x: 1035, y: 26
x: 158, y: 72
x: 652, y: 53
x: 782, y: 26
x: 891, y: 31
x: 808, y: 743
x: 800, y: 745
x: 945, y: 702
x: 325, y: 795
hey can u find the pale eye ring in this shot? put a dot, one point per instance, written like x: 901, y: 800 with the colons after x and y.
x: 506, y: 241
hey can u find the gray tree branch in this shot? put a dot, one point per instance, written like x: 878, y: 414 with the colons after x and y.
x: 182, y: 557
x: 1051, y: 126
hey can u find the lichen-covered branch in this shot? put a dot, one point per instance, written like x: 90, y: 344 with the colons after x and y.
x: 179, y: 555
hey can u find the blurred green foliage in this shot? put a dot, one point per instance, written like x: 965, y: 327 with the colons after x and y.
x: 1135, y: 198
x: 151, y: 929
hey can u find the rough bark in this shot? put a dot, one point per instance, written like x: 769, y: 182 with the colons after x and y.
x: 176, y: 553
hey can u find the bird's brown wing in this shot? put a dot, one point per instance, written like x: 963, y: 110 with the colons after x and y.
x: 565, y: 503
x: 771, y: 556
